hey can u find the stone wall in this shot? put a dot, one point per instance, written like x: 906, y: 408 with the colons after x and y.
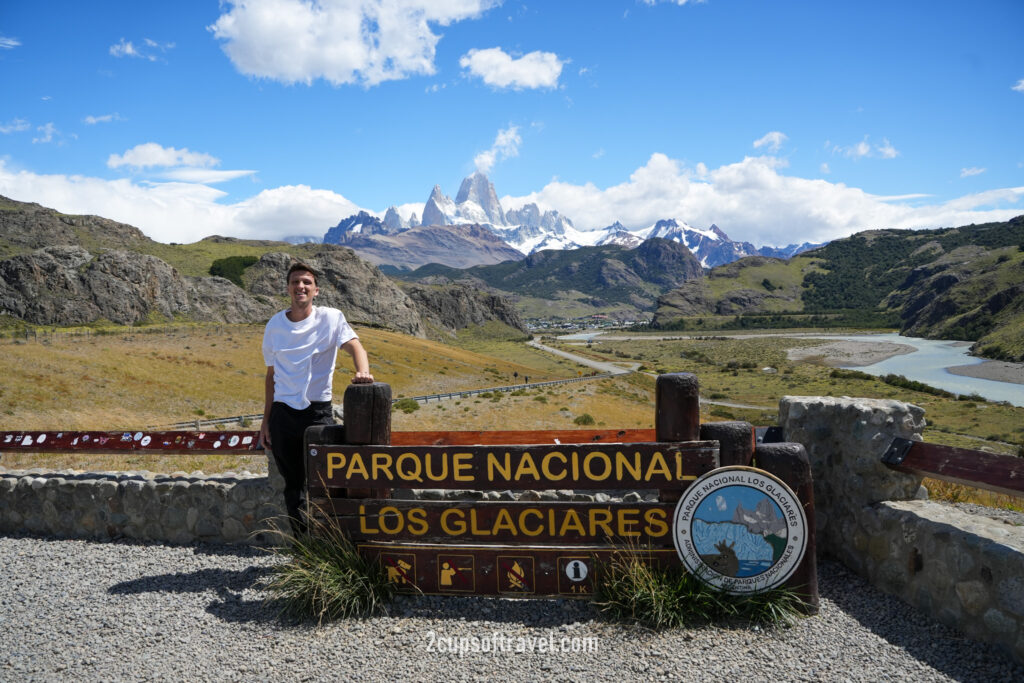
x: 151, y: 507
x: 965, y: 570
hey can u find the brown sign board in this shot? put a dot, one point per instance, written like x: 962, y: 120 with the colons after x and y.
x: 514, y: 467
x: 531, y: 523
x: 505, y: 570
x: 137, y: 441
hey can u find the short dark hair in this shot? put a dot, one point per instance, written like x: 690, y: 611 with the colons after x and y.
x: 300, y: 266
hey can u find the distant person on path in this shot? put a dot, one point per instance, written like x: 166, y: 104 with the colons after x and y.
x: 300, y: 347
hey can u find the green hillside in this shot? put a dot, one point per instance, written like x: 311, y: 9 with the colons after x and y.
x: 953, y: 283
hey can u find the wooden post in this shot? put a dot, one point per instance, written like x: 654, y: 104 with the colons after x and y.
x: 789, y: 462
x: 677, y: 407
x: 676, y: 414
x: 735, y: 441
x: 368, y: 421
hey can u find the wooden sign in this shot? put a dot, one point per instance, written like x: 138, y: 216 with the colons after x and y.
x: 516, y: 467
x: 510, y: 571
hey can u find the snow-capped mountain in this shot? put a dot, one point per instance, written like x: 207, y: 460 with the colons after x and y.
x: 528, y: 229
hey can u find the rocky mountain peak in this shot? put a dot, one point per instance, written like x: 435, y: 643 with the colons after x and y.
x: 477, y: 189
x: 393, y: 221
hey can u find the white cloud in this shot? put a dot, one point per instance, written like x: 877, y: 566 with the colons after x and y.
x: 126, y: 48
x: 720, y: 503
x: 105, y: 118
x: 11, y: 43
x: 773, y: 141
x: 973, y: 170
x: 598, y: 154
x: 14, y: 126
x: 500, y: 70
x: 46, y: 133
x: 205, y: 176
x: 506, y: 145
x: 1019, y: 87
x: 151, y: 154
x: 751, y: 200
x: 673, y: 2
x: 824, y: 168
x: 182, y: 212
x: 864, y: 149
x: 340, y: 41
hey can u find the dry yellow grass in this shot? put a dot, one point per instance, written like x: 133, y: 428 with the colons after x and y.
x: 145, y: 379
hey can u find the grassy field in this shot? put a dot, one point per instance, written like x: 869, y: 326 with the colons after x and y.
x: 153, y: 378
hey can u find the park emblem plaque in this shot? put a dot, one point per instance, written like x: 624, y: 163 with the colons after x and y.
x: 740, y: 529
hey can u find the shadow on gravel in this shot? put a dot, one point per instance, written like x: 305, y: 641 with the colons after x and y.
x: 888, y: 617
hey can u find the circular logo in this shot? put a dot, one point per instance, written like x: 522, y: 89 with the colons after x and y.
x: 740, y: 529
x: 145, y: 440
x: 576, y: 570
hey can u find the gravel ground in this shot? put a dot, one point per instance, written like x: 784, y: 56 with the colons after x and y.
x: 84, y: 610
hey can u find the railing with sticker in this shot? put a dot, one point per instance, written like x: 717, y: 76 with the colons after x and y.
x: 127, y: 441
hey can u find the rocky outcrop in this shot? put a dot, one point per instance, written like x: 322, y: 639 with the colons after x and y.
x: 67, y: 285
x: 456, y: 306
x: 25, y: 227
x: 476, y: 192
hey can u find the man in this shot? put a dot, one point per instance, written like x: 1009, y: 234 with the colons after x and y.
x: 300, y: 347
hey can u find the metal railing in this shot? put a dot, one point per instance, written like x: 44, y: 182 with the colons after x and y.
x: 242, y: 419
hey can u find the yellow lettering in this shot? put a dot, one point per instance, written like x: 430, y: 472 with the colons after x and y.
x: 604, y: 522
x: 575, y: 466
x: 656, y: 525
x: 335, y: 461
x: 418, y: 521
x: 679, y: 466
x: 588, y: 469
x: 407, y: 475
x: 382, y: 462
x: 572, y: 522
x: 527, y: 466
x: 391, y: 510
x: 357, y: 466
x: 545, y: 465
x: 522, y: 521
x: 504, y: 522
x: 621, y: 463
x: 458, y: 527
x: 473, y: 528
x: 460, y: 464
x: 659, y: 466
x: 444, y: 467
x: 363, y: 528
x: 625, y: 524
x: 493, y: 464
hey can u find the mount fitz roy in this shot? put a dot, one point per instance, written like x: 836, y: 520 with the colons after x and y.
x: 474, y: 229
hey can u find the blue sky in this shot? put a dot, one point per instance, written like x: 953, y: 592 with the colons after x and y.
x: 778, y: 121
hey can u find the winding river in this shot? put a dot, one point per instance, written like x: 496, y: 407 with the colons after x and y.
x: 927, y: 363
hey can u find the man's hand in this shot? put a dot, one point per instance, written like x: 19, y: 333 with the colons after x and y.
x: 362, y: 378
x: 264, y: 440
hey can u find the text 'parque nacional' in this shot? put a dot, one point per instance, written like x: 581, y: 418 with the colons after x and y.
x: 652, y: 465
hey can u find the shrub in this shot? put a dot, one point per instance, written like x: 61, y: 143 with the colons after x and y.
x: 406, y: 405
x: 584, y: 419
x: 629, y: 589
x: 324, y: 577
x: 232, y: 267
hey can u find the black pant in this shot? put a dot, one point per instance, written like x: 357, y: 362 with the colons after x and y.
x: 287, y: 427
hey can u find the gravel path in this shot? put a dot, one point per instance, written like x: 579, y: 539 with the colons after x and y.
x: 83, y: 610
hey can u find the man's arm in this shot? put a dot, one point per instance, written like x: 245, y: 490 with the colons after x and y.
x: 268, y: 400
x: 360, y: 360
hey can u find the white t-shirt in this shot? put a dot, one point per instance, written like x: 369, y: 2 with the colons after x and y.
x: 303, y: 354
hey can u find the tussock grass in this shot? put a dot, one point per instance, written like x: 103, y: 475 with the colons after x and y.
x: 630, y: 590
x: 323, y: 577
